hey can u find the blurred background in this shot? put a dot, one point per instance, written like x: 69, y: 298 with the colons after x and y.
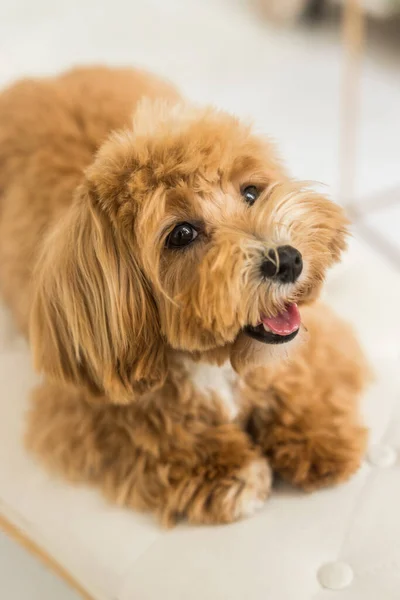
x: 328, y: 93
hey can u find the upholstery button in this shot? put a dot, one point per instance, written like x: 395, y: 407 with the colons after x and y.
x: 335, y: 575
x: 381, y: 456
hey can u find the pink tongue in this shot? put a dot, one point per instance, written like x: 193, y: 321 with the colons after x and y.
x: 286, y: 322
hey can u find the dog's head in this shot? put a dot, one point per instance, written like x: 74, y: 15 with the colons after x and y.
x: 185, y: 234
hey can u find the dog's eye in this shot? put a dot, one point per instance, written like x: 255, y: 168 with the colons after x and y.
x: 250, y: 193
x: 182, y: 235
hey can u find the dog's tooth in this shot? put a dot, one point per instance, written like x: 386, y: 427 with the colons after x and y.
x: 267, y: 328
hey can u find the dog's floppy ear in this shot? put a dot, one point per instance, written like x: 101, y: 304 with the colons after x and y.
x: 94, y: 321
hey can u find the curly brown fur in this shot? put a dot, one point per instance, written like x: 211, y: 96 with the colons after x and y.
x: 136, y: 340
x: 310, y: 427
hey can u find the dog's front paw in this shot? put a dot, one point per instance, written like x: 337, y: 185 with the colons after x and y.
x: 311, y: 459
x: 217, y: 497
x: 249, y: 492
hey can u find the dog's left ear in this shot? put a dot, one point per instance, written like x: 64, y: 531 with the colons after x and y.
x: 94, y: 320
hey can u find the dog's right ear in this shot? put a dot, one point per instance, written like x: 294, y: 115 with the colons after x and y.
x: 94, y: 320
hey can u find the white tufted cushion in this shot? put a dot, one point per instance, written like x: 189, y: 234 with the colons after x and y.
x: 299, y: 545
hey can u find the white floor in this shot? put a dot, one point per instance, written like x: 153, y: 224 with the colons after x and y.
x: 23, y: 578
x: 287, y: 80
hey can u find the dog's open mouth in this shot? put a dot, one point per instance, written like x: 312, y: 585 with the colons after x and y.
x: 279, y: 329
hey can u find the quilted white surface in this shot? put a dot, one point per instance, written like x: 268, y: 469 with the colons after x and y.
x: 345, y: 537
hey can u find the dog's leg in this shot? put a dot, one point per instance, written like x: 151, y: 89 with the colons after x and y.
x: 177, y: 464
x: 309, y: 426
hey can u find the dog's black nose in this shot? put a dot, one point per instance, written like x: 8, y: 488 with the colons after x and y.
x: 285, y: 265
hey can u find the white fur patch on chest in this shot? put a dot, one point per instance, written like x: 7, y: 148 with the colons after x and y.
x: 221, y: 381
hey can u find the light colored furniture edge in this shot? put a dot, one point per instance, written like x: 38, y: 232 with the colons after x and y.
x: 23, y: 540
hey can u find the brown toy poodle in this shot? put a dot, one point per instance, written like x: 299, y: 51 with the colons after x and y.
x: 166, y: 270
